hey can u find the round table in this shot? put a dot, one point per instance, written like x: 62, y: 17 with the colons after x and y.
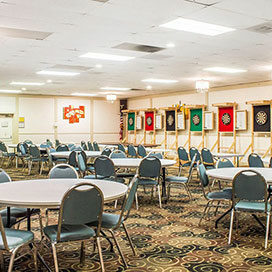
x: 228, y: 155
x: 228, y: 174
x: 48, y: 193
x: 66, y: 154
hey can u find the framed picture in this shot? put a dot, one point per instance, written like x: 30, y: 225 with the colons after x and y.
x: 181, y: 121
x: 139, y: 122
x: 208, y: 120
x: 170, y: 120
x: 158, y: 121
x: 241, y: 120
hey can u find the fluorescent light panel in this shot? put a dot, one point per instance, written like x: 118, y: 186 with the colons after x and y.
x: 27, y: 83
x: 106, y: 56
x: 197, y: 27
x: 83, y: 94
x: 225, y: 70
x: 57, y: 73
x: 157, y: 80
x: 10, y: 91
x: 115, y: 89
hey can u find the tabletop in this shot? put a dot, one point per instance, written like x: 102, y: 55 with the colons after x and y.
x: 227, y: 155
x: 134, y: 163
x: 65, y: 154
x: 126, y: 144
x: 229, y: 173
x: 48, y: 193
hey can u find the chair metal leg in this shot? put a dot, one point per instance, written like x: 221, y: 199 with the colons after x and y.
x: 115, y: 204
x: 55, y: 256
x: 12, y: 258
x: 129, y: 240
x: 119, y: 248
x: 100, y: 254
x: 188, y: 191
x: 231, y: 226
x: 2, y: 261
x: 136, y: 201
x: 41, y: 168
x: 168, y: 191
x: 46, y: 216
x: 82, y: 253
x: 267, y: 229
x: 33, y: 249
x: 159, y: 195
x: 41, y: 224
x: 204, y: 212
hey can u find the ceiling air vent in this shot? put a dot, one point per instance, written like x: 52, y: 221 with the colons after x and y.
x: 101, y: 1
x: 23, y: 33
x: 64, y: 67
x: 156, y: 57
x: 139, y: 47
x: 206, y: 3
x: 262, y: 28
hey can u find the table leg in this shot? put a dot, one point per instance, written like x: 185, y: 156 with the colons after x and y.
x: 28, y: 215
x: 237, y: 161
x: 8, y: 217
x: 164, y: 196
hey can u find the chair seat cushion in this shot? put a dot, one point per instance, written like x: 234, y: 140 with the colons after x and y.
x: 176, y: 179
x: 16, y: 238
x: 69, y: 232
x: 208, y: 167
x: 119, y: 179
x: 185, y: 164
x: 93, y: 177
x: 5, y: 220
x: 220, y: 195
x: 252, y: 206
x: 109, y: 221
x: 147, y: 181
x: 125, y: 175
x: 18, y: 212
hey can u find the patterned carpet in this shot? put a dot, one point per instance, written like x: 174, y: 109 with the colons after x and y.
x: 167, y: 240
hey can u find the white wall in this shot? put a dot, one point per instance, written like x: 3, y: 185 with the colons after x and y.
x: 240, y: 96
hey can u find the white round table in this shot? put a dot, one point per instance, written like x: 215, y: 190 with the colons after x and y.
x: 228, y: 174
x: 134, y: 162
x: 65, y: 154
x: 228, y: 155
x: 48, y: 193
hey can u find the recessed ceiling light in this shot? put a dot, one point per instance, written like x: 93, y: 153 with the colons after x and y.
x: 49, y: 81
x: 225, y: 70
x: 103, y: 93
x: 99, y: 66
x: 157, y: 80
x: 149, y: 87
x: 10, y: 91
x: 197, y: 27
x: 23, y: 89
x: 57, y: 73
x: 106, y: 56
x: 170, y: 45
x: 27, y: 83
x: 83, y: 94
x: 115, y: 89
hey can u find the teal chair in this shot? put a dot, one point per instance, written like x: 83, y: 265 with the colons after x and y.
x: 211, y: 197
x: 96, y: 146
x: 178, y: 180
x: 141, y: 151
x: 12, y: 240
x: 224, y: 163
x: 106, y: 151
x: 250, y: 194
x: 121, y: 147
x: 157, y: 155
x: 81, y: 204
x: 254, y: 160
x: 62, y: 147
x: 84, y: 145
x: 184, y: 160
x: 112, y: 222
x: 149, y: 176
x: 131, y: 151
x: 207, y: 158
x: 5, y: 154
x: 90, y: 146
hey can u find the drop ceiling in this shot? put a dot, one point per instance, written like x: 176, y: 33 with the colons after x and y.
x: 53, y: 34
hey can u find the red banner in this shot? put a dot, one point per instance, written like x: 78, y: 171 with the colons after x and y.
x: 225, y: 119
x: 149, y: 121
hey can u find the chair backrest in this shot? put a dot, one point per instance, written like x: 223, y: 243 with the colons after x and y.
x: 84, y: 145
x: 117, y: 154
x: 49, y: 142
x: 121, y: 147
x: 34, y: 151
x: 183, y: 155
x: 249, y: 185
x: 224, y: 163
x: 3, y: 147
x: 62, y: 147
x: 70, y: 146
x: 44, y: 145
x: 254, y: 160
x: 62, y: 171
x: 22, y: 148
x: 3, y: 235
x: 194, y: 151
x: 28, y: 142
x: 141, y: 151
x: 104, y: 167
x: 132, y: 151
x: 150, y: 167
x: 57, y: 143
x: 76, y: 148
x: 81, y: 204
x: 72, y: 160
x: 204, y: 180
x: 90, y: 146
x: 207, y: 156
x: 106, y: 152
x: 81, y: 159
x: 157, y: 155
x: 270, y: 162
x: 95, y: 146
x: 4, y: 177
x: 191, y: 167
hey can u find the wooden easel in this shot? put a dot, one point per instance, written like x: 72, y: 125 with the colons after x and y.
x: 131, y: 132
x: 201, y: 144
x: 151, y: 132
x: 232, y: 147
x: 253, y: 133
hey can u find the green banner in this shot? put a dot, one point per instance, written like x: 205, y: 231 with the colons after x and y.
x: 196, y: 119
x: 131, y: 120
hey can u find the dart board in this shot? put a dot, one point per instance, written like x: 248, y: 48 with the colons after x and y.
x: 226, y: 119
x: 130, y: 121
x: 149, y: 120
x: 170, y: 120
x: 196, y: 120
x: 261, y: 118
